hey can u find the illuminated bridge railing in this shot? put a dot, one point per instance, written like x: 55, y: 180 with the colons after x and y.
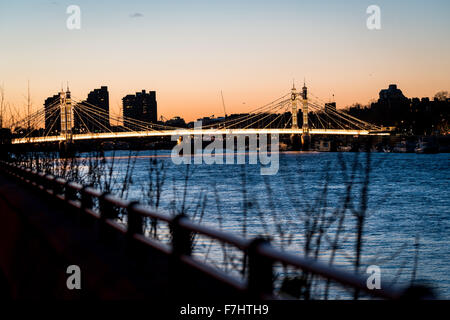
x: 260, y: 255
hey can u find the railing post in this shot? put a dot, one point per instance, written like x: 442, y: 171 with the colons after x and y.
x: 106, y: 208
x: 57, y: 187
x: 179, y: 273
x: 41, y: 180
x: 86, y: 203
x: 27, y: 174
x: 34, y: 177
x: 181, y: 238
x: 135, y: 220
x: 86, y: 199
x: 47, y: 182
x: 70, y: 193
x: 260, y: 270
x: 107, y: 211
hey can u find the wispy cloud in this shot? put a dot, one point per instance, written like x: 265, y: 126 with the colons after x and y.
x: 136, y: 15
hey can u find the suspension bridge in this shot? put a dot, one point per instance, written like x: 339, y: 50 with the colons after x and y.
x: 280, y: 116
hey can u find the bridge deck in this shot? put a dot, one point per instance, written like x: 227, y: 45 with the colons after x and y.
x: 189, y: 132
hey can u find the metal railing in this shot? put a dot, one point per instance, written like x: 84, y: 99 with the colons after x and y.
x: 260, y: 255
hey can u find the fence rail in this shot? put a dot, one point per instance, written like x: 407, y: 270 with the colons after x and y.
x: 261, y: 256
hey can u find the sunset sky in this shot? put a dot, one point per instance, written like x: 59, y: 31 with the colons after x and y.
x: 188, y: 51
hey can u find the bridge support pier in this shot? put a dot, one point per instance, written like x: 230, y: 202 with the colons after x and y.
x: 306, y: 142
x: 66, y: 149
x: 296, y: 142
x: 300, y: 142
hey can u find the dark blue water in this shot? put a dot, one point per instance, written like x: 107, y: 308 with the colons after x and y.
x: 407, y: 202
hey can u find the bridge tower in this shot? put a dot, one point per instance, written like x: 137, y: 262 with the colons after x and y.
x: 295, y: 138
x: 65, y: 103
x: 294, y: 107
x: 305, y: 127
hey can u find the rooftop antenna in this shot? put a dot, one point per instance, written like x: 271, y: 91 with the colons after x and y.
x: 223, y: 104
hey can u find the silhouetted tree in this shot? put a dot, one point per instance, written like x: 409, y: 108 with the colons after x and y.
x: 441, y: 96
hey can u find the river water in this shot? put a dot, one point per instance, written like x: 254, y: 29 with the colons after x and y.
x: 407, y: 216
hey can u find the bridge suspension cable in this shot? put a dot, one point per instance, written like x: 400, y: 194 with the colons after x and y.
x: 52, y: 114
x: 258, y: 110
x: 143, y: 125
x: 281, y: 106
x: 344, y: 125
x: 34, y: 120
x: 345, y: 114
x: 250, y: 116
x: 346, y: 117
